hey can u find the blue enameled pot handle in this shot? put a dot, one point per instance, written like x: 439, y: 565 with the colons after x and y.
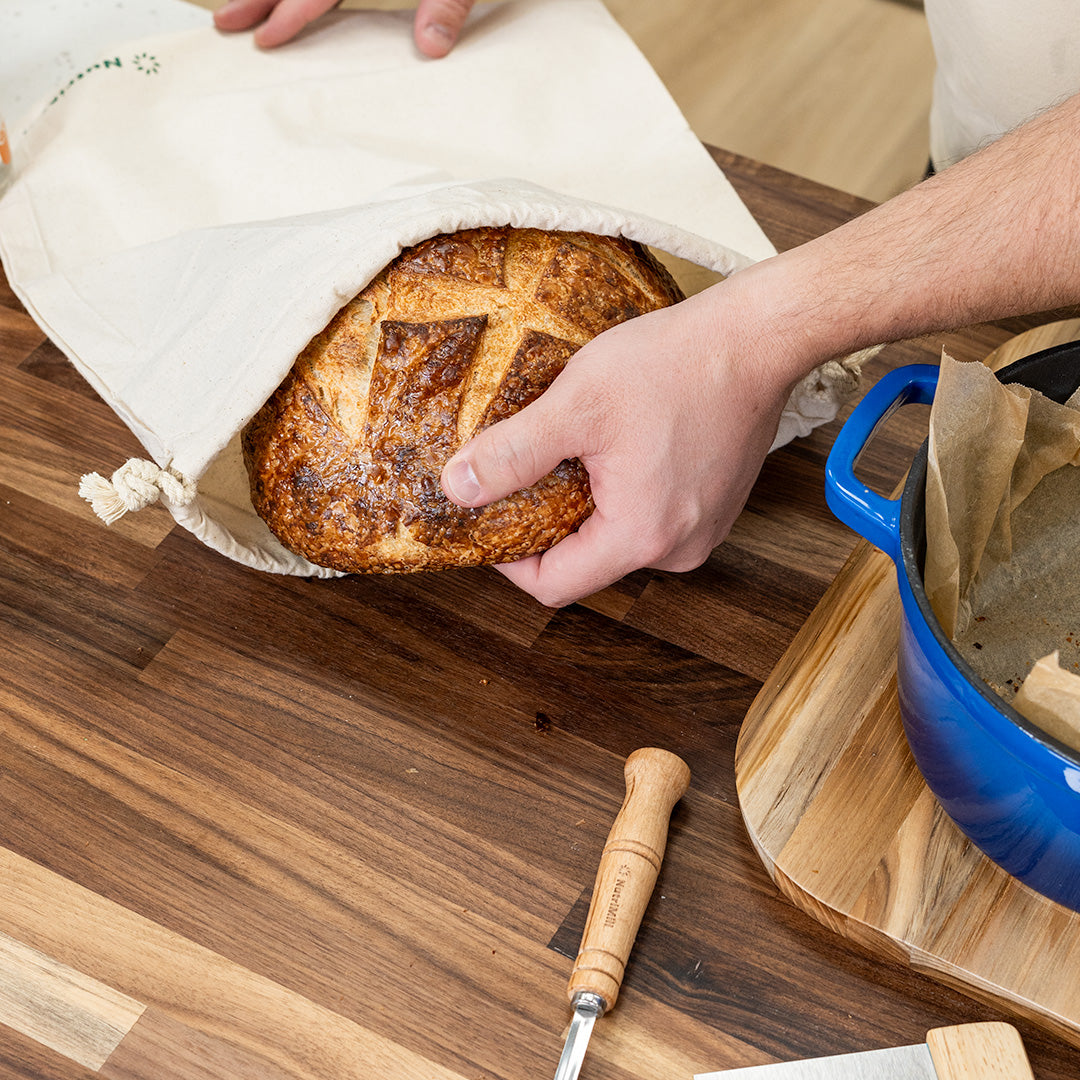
x: 868, y: 513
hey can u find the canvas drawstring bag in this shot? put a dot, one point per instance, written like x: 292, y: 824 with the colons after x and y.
x: 190, y: 210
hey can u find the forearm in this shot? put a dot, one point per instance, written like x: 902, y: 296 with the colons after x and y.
x: 996, y: 235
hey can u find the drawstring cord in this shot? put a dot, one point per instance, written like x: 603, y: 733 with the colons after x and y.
x: 135, y: 485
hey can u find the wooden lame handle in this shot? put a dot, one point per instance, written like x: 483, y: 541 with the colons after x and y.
x: 655, y: 781
x: 990, y: 1051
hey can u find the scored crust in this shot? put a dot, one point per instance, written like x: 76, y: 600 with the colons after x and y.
x: 457, y: 333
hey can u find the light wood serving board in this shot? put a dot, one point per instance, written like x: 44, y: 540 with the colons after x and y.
x: 847, y: 828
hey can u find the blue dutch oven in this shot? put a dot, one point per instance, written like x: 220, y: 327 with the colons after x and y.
x: 1011, y: 788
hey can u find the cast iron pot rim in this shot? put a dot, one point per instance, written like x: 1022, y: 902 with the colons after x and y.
x: 913, y: 501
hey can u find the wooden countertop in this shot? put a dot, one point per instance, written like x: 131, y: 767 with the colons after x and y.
x: 273, y: 828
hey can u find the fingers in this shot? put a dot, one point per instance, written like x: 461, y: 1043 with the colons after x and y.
x: 436, y: 28
x: 281, y: 20
x: 242, y: 14
x: 287, y: 20
x: 512, y: 454
x: 438, y: 25
x: 622, y: 535
x: 582, y: 564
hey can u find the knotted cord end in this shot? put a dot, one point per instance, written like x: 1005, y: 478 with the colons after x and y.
x: 135, y: 485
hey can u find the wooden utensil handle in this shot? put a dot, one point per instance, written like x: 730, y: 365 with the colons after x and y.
x: 655, y: 781
x: 990, y: 1051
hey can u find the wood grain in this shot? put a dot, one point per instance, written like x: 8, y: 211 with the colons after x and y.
x: 321, y: 829
x: 845, y: 824
x: 65, y: 1010
x: 213, y: 995
x: 978, y: 1052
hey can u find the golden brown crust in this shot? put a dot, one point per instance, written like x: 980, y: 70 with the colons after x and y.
x: 456, y: 334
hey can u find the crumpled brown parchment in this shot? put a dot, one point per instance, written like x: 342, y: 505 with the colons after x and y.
x: 1002, y: 566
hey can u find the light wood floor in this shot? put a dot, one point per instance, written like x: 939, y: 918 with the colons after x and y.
x: 834, y: 90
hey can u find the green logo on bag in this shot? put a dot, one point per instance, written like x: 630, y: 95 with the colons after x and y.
x: 147, y: 63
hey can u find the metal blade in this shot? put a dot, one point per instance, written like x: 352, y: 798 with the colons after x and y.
x: 894, y: 1063
x: 587, y: 1007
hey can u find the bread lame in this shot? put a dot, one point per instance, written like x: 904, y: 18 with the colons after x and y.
x: 990, y: 1051
x: 629, y: 865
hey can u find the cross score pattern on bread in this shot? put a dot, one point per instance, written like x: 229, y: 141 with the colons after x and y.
x: 456, y: 334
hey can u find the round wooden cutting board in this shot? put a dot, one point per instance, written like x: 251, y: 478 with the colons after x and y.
x: 848, y: 830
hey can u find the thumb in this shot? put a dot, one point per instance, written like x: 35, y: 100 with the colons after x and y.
x: 509, y: 455
x: 438, y: 24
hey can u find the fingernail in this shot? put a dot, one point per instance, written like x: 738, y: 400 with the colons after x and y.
x: 439, y: 31
x: 460, y: 482
x: 436, y: 40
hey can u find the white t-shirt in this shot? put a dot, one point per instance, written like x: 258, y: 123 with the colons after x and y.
x: 1000, y: 62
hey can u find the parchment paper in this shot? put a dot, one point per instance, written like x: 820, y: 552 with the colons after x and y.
x: 1003, y: 523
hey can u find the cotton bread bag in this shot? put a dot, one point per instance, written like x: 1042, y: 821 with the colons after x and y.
x: 188, y: 211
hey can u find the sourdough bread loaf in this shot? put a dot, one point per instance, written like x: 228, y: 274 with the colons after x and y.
x: 457, y: 333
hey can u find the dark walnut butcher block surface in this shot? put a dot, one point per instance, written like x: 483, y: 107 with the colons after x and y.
x: 280, y: 828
